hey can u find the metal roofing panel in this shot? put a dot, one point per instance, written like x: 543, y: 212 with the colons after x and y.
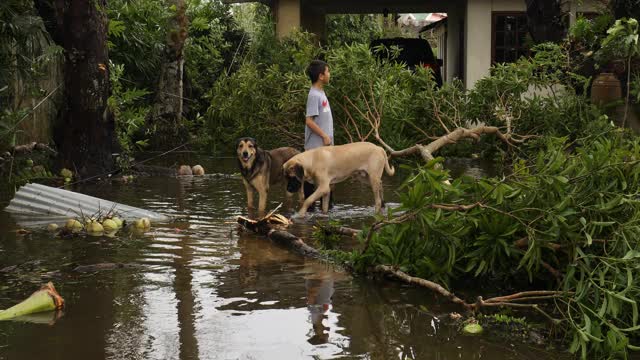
x: 36, y: 205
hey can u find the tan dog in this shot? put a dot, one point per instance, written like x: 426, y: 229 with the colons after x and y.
x: 260, y: 169
x: 328, y: 165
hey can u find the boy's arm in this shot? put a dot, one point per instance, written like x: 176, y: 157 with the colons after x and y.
x: 316, y: 129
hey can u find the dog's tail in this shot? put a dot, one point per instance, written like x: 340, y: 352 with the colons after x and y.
x: 388, y: 168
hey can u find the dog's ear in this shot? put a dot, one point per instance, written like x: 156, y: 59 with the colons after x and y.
x: 255, y: 143
x: 299, y: 171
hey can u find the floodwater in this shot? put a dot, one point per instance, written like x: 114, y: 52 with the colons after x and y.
x: 198, y: 288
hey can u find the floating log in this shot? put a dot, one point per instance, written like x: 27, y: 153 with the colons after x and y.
x: 45, y: 299
x: 264, y: 227
x: 341, y: 230
x: 102, y: 267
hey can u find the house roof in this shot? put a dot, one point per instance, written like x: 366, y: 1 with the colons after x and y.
x: 433, y: 25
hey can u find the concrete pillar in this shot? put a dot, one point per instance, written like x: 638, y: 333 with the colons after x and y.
x: 455, y: 19
x: 477, y: 41
x: 576, y: 6
x: 287, y: 14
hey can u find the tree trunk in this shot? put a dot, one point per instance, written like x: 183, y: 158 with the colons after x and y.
x: 86, y: 134
x: 166, y: 112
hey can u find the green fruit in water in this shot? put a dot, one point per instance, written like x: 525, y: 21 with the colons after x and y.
x: 142, y: 224
x: 94, y: 228
x: 109, y: 225
x: 117, y: 220
x: 73, y: 225
x: 52, y: 227
x: 66, y: 173
x: 138, y: 224
x: 29, y: 162
x: 472, y: 329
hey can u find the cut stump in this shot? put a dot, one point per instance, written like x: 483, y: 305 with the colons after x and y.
x: 45, y: 299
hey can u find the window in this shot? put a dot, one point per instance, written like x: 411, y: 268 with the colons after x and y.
x: 589, y: 15
x: 509, y: 37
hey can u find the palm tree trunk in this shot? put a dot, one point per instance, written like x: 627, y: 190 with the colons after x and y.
x: 86, y: 134
x: 166, y: 113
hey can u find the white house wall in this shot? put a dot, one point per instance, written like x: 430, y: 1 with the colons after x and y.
x: 287, y: 14
x: 477, y: 40
x: 478, y: 32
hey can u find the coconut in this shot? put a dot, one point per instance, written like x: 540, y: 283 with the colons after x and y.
x: 73, y: 225
x: 197, y: 170
x: 109, y: 225
x: 52, y: 227
x: 184, y: 170
x: 472, y: 329
x: 94, y: 228
x: 117, y: 220
x: 142, y: 224
x: 66, y: 173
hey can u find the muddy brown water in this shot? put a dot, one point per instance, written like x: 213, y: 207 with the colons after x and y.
x: 197, y: 288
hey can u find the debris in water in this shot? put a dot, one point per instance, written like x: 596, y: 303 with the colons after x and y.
x: 45, y: 299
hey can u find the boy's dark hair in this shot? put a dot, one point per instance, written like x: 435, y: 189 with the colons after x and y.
x: 316, y: 68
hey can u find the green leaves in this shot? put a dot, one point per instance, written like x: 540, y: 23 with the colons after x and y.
x: 572, y: 211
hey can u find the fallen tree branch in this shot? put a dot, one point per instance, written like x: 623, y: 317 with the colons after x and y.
x: 410, y: 215
x: 455, y: 207
x: 263, y: 227
x: 512, y: 300
x: 390, y: 271
x: 341, y: 230
x: 285, y: 238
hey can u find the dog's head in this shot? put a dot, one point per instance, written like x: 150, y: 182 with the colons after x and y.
x: 294, y: 175
x: 246, y: 149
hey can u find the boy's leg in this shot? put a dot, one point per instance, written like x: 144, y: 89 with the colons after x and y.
x: 309, y: 189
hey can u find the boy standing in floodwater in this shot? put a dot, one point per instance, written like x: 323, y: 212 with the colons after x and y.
x: 318, y: 130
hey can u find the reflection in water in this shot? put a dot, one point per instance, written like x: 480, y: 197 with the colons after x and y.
x: 45, y: 318
x: 319, y: 293
x: 204, y: 290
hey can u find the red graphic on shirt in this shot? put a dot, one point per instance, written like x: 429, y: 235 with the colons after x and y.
x: 325, y: 103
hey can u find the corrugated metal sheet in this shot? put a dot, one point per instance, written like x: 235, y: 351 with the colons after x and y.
x: 36, y: 205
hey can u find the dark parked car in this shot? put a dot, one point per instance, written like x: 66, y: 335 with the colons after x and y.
x: 413, y: 52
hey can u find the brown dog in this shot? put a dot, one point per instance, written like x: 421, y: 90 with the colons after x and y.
x: 261, y: 168
x: 328, y: 165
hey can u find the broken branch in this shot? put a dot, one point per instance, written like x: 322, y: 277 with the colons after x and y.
x: 285, y: 238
